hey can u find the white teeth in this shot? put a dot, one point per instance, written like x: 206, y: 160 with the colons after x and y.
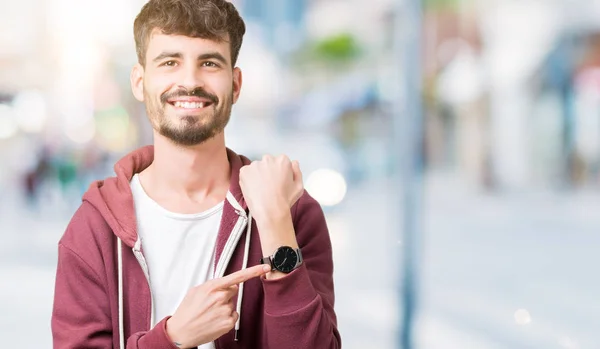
x: 189, y: 105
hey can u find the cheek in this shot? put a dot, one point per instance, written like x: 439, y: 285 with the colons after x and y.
x: 221, y: 84
x: 157, y: 86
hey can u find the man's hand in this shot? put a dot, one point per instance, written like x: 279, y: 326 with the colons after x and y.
x: 207, y: 312
x: 271, y: 186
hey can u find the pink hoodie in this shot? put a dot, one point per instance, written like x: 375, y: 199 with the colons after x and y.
x: 102, y: 294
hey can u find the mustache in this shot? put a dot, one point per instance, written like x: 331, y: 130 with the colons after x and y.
x: 197, y: 92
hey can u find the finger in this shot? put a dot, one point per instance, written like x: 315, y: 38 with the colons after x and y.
x: 244, y: 171
x: 229, y: 293
x: 231, y: 321
x: 243, y: 275
x: 297, y: 172
x: 234, y: 289
x: 231, y: 308
x: 225, y: 307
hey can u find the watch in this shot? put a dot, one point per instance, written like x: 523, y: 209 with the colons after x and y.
x: 285, y: 259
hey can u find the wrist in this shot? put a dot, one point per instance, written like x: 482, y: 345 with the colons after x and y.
x: 276, y: 229
x: 273, y: 235
x: 173, y: 334
x: 271, y: 212
x: 273, y: 219
x: 275, y: 274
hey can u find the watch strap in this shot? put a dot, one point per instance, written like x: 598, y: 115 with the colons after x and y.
x: 267, y: 260
x: 300, y: 259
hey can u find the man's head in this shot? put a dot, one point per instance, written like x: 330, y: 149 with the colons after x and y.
x: 186, y: 72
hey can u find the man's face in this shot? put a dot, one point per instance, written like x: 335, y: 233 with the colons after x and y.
x: 188, y: 86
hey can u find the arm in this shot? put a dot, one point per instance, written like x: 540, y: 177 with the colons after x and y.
x: 157, y: 337
x: 299, y: 307
x: 82, y: 315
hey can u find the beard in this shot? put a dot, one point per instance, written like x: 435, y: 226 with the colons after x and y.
x: 189, y: 130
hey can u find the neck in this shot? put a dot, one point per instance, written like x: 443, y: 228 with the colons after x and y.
x: 197, y: 173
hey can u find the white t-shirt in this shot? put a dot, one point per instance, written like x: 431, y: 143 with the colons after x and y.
x: 179, y: 249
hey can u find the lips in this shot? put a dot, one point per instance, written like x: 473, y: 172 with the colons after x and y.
x: 190, y: 100
x: 190, y: 105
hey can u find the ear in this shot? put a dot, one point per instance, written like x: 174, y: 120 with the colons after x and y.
x: 237, y: 83
x: 137, y: 82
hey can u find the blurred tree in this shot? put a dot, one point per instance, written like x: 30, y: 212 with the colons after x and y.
x: 342, y: 47
x: 441, y: 4
x: 335, y: 51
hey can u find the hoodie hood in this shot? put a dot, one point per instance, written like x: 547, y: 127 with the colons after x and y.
x: 112, y: 197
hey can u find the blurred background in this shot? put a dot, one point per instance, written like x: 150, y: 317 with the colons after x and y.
x: 504, y: 248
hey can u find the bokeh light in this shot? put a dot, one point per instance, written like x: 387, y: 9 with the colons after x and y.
x: 31, y: 111
x: 327, y: 186
x: 522, y: 317
x: 8, y: 125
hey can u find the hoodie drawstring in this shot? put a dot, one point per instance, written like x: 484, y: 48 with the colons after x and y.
x: 244, y: 265
x: 120, y: 282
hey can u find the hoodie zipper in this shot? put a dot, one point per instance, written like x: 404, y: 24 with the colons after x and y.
x: 139, y: 256
x: 231, y: 243
x: 229, y: 248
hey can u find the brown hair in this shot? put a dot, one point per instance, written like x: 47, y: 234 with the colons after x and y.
x: 207, y: 19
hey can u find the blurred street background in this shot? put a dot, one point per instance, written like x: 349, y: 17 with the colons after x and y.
x: 506, y: 254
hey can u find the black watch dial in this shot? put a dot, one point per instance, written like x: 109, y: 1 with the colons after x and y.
x: 285, y: 259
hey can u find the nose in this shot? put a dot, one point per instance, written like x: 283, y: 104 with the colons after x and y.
x: 191, y: 77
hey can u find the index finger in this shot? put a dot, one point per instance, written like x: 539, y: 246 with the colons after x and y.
x: 243, y: 275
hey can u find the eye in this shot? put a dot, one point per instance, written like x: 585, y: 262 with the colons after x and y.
x: 169, y: 64
x: 210, y: 64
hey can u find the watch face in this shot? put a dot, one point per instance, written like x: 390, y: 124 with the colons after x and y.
x: 285, y: 259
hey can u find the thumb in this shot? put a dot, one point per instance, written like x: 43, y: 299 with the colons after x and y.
x: 297, y: 172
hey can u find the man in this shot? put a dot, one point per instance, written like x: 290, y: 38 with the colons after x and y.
x: 169, y: 253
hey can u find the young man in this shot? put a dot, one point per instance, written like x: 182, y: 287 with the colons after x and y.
x: 169, y: 253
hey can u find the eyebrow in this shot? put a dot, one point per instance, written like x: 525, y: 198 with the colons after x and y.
x: 210, y: 55
x: 164, y: 55
x: 213, y: 55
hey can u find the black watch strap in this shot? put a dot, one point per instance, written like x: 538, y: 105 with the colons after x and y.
x: 267, y: 260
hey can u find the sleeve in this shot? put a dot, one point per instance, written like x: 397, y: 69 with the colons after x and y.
x: 299, y: 308
x: 81, y: 314
x: 157, y: 337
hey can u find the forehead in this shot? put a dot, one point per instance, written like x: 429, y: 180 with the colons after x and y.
x: 159, y: 42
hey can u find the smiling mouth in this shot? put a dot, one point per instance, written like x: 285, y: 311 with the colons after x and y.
x: 190, y: 105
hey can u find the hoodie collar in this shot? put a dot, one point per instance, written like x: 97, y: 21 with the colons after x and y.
x: 112, y: 197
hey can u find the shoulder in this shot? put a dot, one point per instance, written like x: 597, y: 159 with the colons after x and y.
x: 309, y: 218
x: 87, y: 232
